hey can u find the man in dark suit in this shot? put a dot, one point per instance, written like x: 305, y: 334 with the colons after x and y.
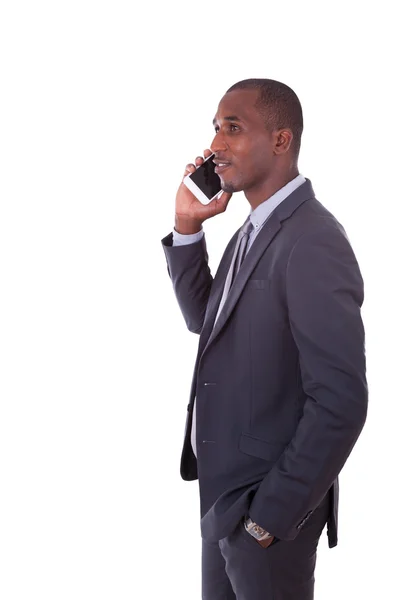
x: 279, y: 392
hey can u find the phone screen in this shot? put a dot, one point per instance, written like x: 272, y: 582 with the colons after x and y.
x: 206, y: 179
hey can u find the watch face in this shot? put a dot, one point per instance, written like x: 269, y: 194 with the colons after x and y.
x: 258, y: 531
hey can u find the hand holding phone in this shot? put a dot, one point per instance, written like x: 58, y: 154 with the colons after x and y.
x: 190, y: 211
x: 204, y: 183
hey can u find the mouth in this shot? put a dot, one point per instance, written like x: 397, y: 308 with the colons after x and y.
x: 221, y: 166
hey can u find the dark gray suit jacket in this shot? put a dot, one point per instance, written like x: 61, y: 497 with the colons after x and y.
x: 280, y: 380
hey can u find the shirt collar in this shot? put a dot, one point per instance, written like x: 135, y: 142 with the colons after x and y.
x: 259, y: 215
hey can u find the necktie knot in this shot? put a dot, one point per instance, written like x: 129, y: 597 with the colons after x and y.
x: 247, y: 227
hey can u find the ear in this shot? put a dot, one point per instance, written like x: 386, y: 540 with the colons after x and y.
x: 283, y: 141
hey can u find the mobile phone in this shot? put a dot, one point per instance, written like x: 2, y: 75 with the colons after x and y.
x: 204, y: 183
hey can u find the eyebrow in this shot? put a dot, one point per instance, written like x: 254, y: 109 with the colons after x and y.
x: 230, y: 118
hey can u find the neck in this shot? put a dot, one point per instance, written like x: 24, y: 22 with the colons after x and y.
x: 261, y: 192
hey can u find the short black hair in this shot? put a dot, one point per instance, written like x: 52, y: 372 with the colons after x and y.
x: 278, y: 105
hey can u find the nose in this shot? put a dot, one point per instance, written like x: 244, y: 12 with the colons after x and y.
x: 218, y: 144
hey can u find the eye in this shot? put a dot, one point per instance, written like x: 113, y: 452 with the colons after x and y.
x: 232, y: 128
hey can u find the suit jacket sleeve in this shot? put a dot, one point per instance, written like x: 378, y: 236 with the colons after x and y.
x: 191, y: 279
x: 324, y: 297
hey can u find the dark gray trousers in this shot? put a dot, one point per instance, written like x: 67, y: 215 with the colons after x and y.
x: 238, y: 568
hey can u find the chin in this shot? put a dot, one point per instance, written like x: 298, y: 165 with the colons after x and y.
x: 230, y: 187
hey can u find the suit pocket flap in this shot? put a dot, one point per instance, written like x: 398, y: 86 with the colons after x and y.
x: 253, y: 446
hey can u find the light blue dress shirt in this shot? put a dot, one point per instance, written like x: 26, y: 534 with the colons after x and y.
x: 258, y: 217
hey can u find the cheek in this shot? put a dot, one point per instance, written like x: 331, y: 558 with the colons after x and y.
x: 245, y: 170
x: 248, y: 156
x: 249, y: 160
x: 243, y: 158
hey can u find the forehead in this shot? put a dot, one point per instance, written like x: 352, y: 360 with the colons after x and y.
x: 241, y: 104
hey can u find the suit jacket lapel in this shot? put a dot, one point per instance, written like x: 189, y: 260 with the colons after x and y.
x: 261, y: 243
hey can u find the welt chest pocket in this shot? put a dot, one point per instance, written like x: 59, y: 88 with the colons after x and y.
x: 258, y: 284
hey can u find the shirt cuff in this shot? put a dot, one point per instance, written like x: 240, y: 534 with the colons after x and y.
x: 181, y: 239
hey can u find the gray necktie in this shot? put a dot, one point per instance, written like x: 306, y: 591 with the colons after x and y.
x: 237, y: 259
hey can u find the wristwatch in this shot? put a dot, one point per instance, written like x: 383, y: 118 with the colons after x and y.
x: 256, y: 531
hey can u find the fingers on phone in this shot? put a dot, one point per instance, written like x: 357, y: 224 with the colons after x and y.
x: 190, y: 168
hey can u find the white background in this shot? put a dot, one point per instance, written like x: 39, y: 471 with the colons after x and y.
x: 102, y: 105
